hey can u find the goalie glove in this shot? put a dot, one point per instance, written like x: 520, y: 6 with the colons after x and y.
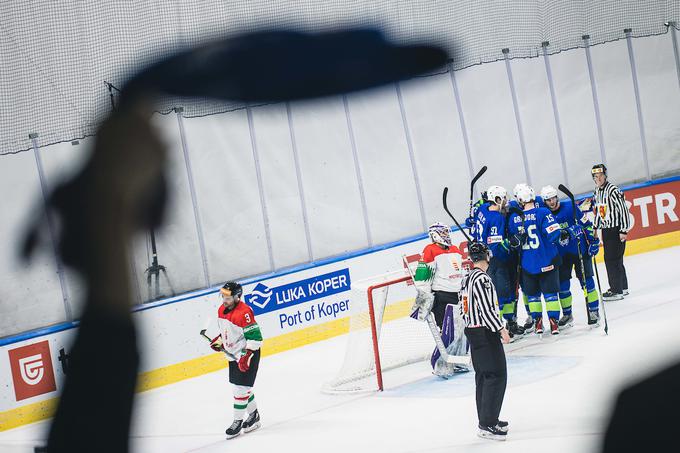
x: 216, y: 344
x: 423, y: 304
x: 244, y: 361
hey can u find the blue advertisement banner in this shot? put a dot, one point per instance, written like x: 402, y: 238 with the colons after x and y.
x: 264, y: 299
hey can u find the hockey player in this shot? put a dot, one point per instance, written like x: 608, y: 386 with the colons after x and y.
x: 240, y: 340
x: 535, y: 237
x: 440, y: 270
x: 574, y: 236
x: 491, y: 229
x: 529, y: 322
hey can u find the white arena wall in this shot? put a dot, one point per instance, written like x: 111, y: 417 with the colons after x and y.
x: 308, y: 204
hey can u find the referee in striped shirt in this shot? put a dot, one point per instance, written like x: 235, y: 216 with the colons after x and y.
x: 612, y: 217
x: 485, y: 333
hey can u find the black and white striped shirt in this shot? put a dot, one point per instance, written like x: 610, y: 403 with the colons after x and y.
x: 478, y: 301
x: 610, y: 208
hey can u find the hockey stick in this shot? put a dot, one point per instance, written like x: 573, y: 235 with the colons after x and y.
x: 472, y: 185
x: 599, y: 288
x: 569, y: 194
x: 520, y: 213
x: 452, y: 359
x: 231, y: 356
x: 446, y: 208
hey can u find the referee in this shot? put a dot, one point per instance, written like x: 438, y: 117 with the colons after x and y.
x: 484, y: 331
x: 613, y: 219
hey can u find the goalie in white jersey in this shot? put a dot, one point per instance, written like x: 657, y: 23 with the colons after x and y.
x: 440, y: 272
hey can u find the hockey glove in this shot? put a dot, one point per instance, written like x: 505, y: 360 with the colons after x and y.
x: 517, y: 240
x: 244, y: 361
x: 564, y: 237
x: 469, y: 222
x: 586, y: 204
x: 216, y: 344
x: 575, y: 231
x: 593, y: 248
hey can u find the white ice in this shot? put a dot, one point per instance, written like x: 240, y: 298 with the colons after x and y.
x: 559, y: 392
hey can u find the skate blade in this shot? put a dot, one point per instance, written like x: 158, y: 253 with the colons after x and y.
x: 489, y: 436
x: 231, y: 436
x: 253, y: 427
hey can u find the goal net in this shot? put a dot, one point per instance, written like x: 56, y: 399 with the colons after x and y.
x: 382, y: 335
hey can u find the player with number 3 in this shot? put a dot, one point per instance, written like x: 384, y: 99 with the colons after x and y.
x: 536, y: 236
x: 240, y: 339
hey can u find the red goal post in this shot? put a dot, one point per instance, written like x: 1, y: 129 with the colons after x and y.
x: 382, y: 336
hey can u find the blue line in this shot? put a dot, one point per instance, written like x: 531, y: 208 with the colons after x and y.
x: 283, y: 272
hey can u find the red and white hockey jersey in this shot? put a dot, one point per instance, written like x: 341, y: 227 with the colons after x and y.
x: 238, y: 329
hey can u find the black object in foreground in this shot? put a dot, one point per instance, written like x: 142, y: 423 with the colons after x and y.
x: 286, y: 65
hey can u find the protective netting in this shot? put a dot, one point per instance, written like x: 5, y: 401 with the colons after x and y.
x: 401, y: 339
x: 55, y: 57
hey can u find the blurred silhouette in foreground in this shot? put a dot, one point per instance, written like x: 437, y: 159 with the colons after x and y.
x: 644, y: 415
x: 121, y: 190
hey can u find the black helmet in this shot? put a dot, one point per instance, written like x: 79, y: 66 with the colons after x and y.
x: 234, y: 288
x: 598, y: 168
x: 478, y: 251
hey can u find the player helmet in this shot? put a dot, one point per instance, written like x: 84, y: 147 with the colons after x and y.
x: 478, y: 251
x: 598, y: 168
x: 516, y: 189
x: 548, y: 192
x: 494, y: 192
x: 234, y: 289
x: 525, y: 194
x: 440, y: 234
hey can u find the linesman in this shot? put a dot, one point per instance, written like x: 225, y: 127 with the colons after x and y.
x: 612, y: 217
x: 485, y: 333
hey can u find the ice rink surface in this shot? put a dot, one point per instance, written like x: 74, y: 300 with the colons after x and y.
x: 559, y: 395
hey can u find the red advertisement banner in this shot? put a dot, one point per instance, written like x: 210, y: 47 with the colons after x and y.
x: 654, y: 209
x: 32, y: 370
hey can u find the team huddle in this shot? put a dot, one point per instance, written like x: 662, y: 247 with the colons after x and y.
x: 535, y: 243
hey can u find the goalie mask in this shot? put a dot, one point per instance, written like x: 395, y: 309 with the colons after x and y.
x: 440, y: 234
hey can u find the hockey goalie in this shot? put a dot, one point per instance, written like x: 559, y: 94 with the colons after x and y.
x: 438, y: 279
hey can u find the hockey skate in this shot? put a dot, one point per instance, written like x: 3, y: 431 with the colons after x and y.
x: 492, y: 432
x: 566, y: 321
x: 610, y: 295
x: 502, y: 425
x: 235, y: 429
x: 252, y: 422
x: 515, y: 329
x: 528, y: 325
x: 554, y: 326
x: 594, y: 318
x: 626, y: 292
x: 538, y: 329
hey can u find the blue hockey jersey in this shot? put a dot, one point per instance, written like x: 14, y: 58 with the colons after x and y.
x: 564, y: 216
x: 490, y: 228
x: 539, y: 251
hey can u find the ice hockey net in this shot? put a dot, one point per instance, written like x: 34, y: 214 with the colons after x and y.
x: 382, y: 335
